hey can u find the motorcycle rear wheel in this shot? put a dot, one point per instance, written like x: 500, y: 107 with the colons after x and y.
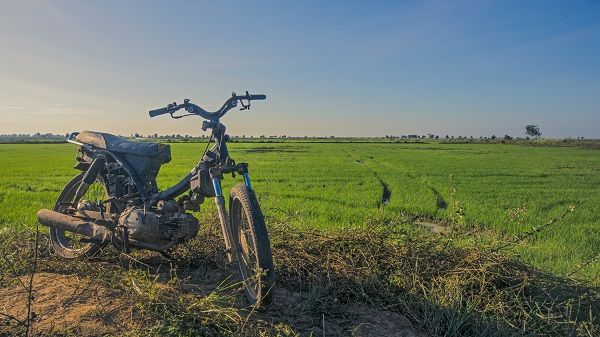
x: 254, y: 259
x: 67, y: 244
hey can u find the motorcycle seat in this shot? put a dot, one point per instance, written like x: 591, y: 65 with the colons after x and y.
x: 117, y: 144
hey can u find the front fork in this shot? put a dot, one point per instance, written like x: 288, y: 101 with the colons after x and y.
x: 224, y: 218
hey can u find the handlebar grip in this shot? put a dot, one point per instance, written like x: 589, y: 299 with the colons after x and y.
x: 258, y: 97
x: 158, y: 112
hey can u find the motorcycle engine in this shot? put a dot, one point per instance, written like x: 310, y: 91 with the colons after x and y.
x: 167, y: 224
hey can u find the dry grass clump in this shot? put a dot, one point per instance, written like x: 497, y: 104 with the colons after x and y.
x: 443, y: 289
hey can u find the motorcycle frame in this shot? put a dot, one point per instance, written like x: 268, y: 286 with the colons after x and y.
x: 216, y: 161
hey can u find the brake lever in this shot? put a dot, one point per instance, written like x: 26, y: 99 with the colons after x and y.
x: 244, y: 106
x: 174, y: 107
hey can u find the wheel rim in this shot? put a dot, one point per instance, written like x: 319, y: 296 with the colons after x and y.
x: 69, y: 241
x: 247, y: 257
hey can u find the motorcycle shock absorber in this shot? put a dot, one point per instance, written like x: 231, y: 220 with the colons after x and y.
x: 89, y: 177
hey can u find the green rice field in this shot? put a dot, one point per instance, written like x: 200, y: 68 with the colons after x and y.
x: 545, y: 199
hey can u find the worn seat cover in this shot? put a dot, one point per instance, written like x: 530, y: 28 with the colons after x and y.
x: 117, y: 144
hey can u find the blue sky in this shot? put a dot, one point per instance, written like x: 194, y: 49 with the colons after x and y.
x: 328, y: 67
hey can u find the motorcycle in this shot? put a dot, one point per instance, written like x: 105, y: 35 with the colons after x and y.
x: 116, y: 200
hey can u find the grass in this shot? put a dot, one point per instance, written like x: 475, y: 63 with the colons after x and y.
x: 521, y: 257
x: 498, y: 191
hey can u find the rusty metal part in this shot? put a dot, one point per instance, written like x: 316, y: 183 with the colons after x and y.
x: 94, y: 232
x: 87, y: 214
x: 144, y: 226
x: 167, y: 206
x: 71, y: 224
x: 154, y: 228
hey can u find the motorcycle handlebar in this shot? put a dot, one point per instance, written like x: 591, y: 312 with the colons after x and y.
x: 158, y: 112
x: 196, y: 110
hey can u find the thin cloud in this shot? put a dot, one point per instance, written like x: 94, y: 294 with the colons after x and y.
x: 58, y: 110
x: 54, y: 110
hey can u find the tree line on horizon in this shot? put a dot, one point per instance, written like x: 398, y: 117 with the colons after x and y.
x: 531, y: 131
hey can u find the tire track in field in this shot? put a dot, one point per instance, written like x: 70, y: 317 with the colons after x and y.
x: 440, y: 201
x: 386, y: 193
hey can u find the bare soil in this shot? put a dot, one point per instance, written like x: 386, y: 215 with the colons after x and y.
x: 68, y: 303
x: 75, y: 305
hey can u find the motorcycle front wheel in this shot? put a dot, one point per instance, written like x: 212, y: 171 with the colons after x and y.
x: 254, y: 258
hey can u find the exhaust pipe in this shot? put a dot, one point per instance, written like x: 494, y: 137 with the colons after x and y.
x: 95, y: 232
x: 71, y: 224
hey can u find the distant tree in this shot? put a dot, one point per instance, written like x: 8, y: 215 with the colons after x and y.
x: 533, y: 131
x: 137, y: 135
x: 507, y: 137
x: 493, y: 137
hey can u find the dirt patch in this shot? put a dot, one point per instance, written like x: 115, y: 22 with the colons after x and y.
x: 68, y: 304
x: 353, y: 319
x: 81, y: 306
x: 433, y: 227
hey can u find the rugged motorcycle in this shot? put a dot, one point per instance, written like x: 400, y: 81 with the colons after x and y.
x: 116, y: 199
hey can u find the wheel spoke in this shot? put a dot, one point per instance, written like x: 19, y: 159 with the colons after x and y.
x: 95, y: 195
